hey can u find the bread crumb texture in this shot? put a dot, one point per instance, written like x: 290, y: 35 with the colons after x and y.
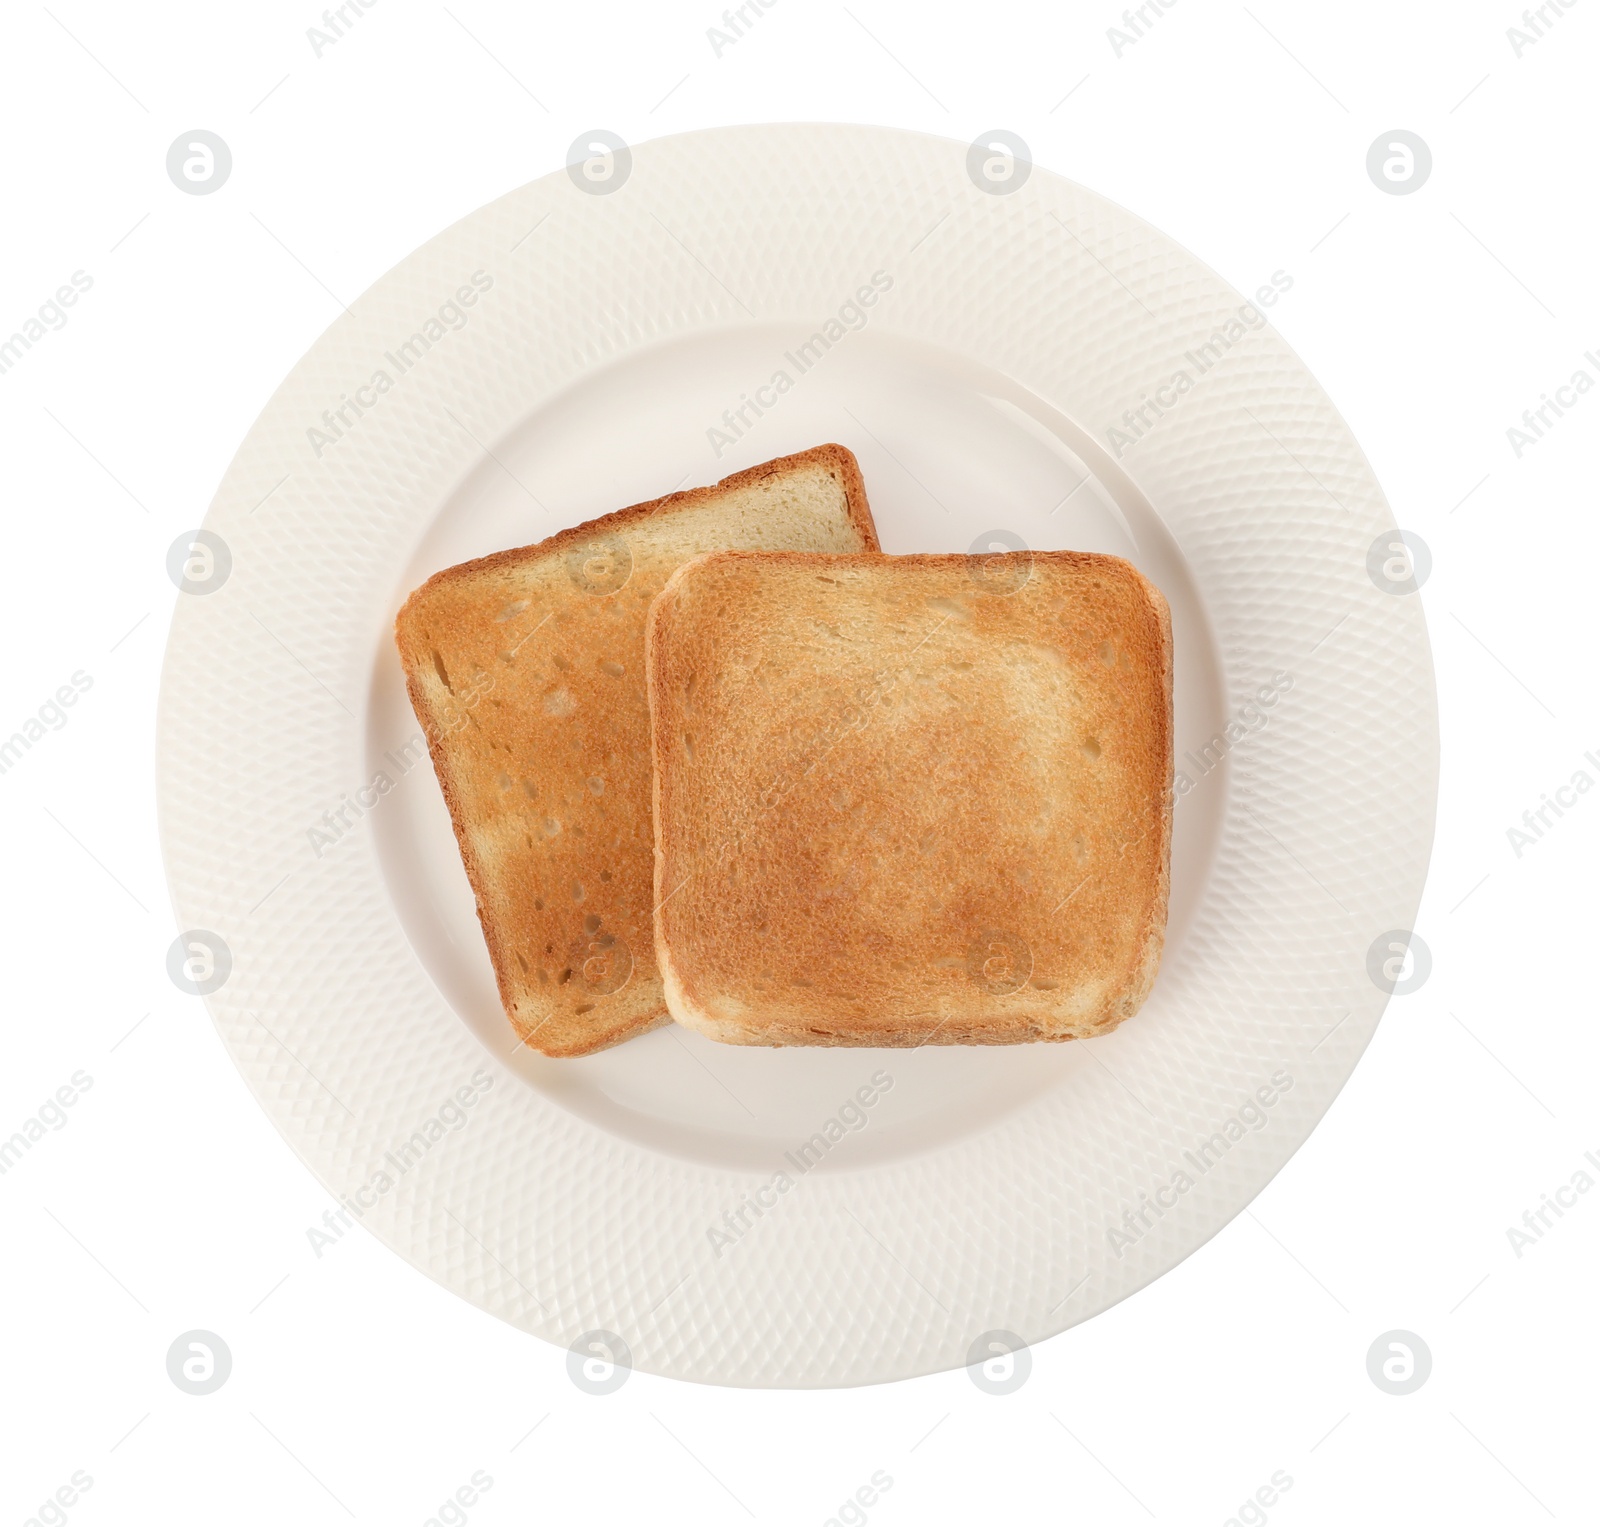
x: 527, y: 671
x: 907, y: 800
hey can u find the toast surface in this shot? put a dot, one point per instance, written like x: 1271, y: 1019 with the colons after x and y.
x: 526, y: 670
x: 909, y: 800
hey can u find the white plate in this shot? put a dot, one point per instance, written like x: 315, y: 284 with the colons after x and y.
x: 653, y: 1191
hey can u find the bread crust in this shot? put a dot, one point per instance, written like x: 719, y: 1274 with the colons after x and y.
x: 762, y: 897
x: 453, y: 609
x: 836, y: 458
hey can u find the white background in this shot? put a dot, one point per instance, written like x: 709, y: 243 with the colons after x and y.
x: 361, y: 1390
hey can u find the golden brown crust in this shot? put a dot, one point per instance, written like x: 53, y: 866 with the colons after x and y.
x: 895, y: 806
x: 838, y: 459
x: 525, y: 701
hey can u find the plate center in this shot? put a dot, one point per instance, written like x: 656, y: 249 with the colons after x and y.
x: 950, y: 451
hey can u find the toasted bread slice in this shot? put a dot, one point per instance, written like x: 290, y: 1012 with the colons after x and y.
x: 526, y: 670
x: 910, y: 800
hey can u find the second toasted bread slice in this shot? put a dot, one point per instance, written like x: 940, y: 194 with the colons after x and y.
x: 910, y: 800
x: 526, y: 669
